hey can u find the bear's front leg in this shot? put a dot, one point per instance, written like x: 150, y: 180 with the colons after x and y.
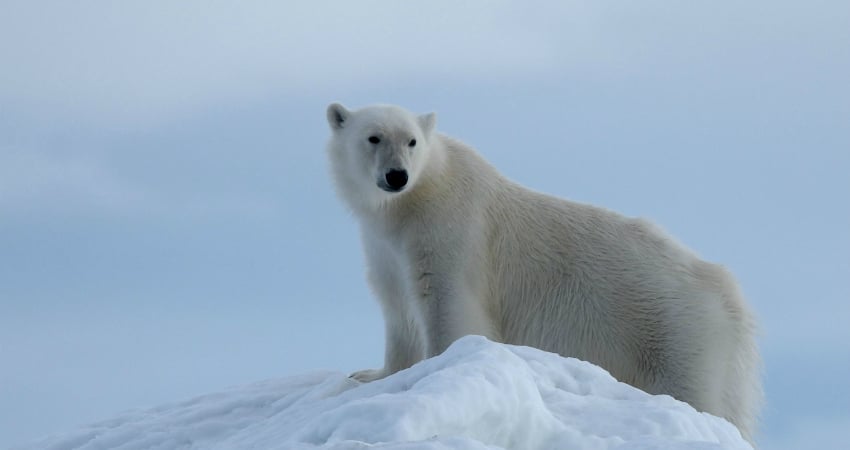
x: 402, y: 320
x: 403, y: 347
x: 451, y: 309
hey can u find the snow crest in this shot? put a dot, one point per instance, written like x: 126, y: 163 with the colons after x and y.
x: 477, y: 395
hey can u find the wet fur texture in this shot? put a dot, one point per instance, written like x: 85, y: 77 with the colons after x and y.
x: 463, y: 250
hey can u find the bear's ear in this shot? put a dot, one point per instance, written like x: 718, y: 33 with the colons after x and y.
x: 337, y: 116
x: 427, y: 122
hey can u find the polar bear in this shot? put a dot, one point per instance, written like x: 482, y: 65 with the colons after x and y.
x: 454, y: 248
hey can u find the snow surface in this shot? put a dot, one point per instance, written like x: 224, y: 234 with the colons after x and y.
x: 477, y: 395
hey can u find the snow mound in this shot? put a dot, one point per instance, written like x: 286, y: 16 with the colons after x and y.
x: 477, y: 395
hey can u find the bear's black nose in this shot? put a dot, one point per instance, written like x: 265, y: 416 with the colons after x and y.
x: 396, y: 179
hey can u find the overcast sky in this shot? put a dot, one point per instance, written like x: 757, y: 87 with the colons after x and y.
x: 168, y: 227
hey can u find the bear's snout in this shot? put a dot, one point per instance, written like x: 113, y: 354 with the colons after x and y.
x: 396, y: 180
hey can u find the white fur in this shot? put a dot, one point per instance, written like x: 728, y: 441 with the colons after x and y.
x: 463, y: 250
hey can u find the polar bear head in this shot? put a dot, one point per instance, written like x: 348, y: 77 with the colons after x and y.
x: 377, y: 153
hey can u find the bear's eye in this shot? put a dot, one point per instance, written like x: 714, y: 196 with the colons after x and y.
x: 374, y: 139
x: 412, y: 143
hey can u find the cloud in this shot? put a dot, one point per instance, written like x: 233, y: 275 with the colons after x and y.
x: 29, y: 178
x: 146, y: 61
x: 136, y: 61
x: 38, y: 182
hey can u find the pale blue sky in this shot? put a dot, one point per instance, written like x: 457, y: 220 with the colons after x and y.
x: 168, y: 227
